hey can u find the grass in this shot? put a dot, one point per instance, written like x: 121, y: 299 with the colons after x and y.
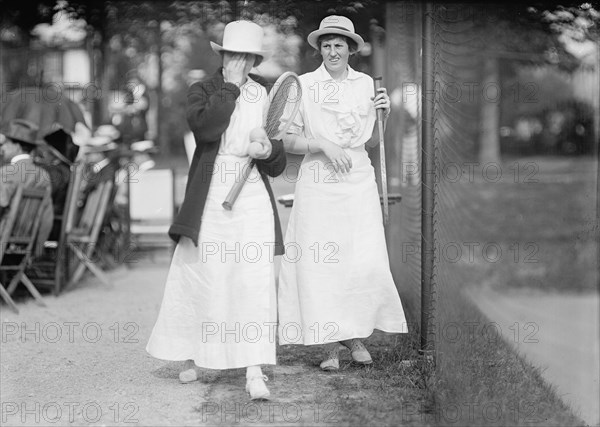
x: 546, y: 229
x: 480, y: 379
x: 545, y: 232
x: 477, y: 379
x: 385, y: 393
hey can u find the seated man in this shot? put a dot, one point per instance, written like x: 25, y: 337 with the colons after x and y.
x: 21, y: 170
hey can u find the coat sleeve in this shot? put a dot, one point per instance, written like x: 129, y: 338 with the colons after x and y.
x: 275, y: 164
x: 209, y: 111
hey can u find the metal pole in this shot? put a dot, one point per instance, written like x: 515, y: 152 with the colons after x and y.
x: 428, y: 170
x: 597, y: 153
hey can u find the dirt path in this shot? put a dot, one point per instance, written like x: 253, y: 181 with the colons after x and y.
x: 82, y: 361
x: 558, y: 332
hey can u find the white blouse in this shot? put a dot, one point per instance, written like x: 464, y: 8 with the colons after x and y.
x: 340, y: 112
x: 247, y: 115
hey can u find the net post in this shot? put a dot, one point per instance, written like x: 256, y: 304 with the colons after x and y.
x: 428, y: 179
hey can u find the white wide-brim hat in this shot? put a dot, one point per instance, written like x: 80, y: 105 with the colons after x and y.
x: 335, y: 24
x: 243, y: 37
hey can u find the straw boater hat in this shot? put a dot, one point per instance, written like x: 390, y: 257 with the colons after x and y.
x: 23, y: 131
x: 335, y: 25
x: 243, y: 37
x: 102, y: 140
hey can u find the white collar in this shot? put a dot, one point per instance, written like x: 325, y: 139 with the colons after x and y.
x: 19, y: 157
x: 323, y: 75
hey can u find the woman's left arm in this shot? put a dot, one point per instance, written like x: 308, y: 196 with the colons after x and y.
x: 274, y: 165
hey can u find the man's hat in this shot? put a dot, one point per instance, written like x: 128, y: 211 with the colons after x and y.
x: 104, y: 139
x: 335, y: 25
x: 23, y: 131
x: 243, y: 37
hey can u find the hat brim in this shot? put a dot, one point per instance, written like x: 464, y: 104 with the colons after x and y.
x: 263, y: 54
x: 314, y: 36
x: 21, y: 141
x: 101, y: 148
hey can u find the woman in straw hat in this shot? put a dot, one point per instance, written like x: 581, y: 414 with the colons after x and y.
x: 218, y: 309
x: 339, y: 288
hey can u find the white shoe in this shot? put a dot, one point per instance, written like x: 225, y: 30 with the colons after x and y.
x: 257, y: 388
x: 189, y: 374
x: 360, y: 354
x: 332, y: 360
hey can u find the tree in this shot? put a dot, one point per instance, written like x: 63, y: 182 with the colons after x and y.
x: 123, y: 35
x: 516, y: 35
x: 577, y: 25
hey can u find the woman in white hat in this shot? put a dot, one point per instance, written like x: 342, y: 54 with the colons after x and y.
x: 339, y: 287
x: 219, y: 307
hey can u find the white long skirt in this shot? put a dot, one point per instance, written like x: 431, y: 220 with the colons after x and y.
x: 219, y: 305
x: 335, y: 281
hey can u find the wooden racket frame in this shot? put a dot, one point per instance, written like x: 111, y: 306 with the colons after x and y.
x: 249, y: 165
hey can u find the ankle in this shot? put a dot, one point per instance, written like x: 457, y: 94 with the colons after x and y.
x: 254, y: 371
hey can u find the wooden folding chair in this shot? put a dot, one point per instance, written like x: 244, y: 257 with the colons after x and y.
x: 51, y: 271
x: 82, y: 230
x: 18, y: 237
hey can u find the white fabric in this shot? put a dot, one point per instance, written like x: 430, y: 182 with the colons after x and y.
x: 341, y: 112
x: 248, y: 114
x: 335, y: 282
x: 219, y: 306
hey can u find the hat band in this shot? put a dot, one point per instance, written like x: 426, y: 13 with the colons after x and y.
x: 337, y: 27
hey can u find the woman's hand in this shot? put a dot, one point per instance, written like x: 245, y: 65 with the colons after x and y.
x: 234, y: 68
x: 382, y: 101
x: 260, y: 146
x: 260, y: 150
x: 338, y: 157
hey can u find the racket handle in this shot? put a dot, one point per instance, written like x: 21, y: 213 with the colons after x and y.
x: 238, y: 185
x: 377, y: 84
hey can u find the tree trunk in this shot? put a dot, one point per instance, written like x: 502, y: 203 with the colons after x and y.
x: 161, y: 131
x: 101, y: 74
x: 489, y: 123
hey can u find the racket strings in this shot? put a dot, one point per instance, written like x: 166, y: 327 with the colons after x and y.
x: 283, y: 106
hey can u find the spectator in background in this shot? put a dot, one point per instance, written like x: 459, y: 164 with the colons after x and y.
x: 22, y: 171
x: 101, y: 157
x: 134, y: 125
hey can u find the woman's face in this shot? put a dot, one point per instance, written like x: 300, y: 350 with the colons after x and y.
x: 335, y: 53
x: 247, y: 57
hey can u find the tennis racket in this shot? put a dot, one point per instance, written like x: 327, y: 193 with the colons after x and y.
x: 284, y: 103
x: 384, y: 189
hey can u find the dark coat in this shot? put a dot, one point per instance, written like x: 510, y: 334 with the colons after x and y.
x: 210, y: 106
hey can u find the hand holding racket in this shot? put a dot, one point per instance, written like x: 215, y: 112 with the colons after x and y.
x: 284, y: 103
x: 260, y: 146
